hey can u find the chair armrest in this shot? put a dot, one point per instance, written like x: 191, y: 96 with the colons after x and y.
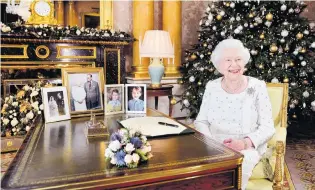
x: 277, y: 181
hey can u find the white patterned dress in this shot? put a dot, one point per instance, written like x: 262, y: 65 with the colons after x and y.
x: 247, y: 114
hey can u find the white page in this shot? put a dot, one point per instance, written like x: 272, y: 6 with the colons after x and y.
x: 149, y: 126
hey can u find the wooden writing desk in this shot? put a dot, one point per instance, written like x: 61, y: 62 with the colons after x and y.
x: 59, y: 156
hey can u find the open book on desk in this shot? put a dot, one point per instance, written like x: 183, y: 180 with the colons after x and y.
x: 150, y: 127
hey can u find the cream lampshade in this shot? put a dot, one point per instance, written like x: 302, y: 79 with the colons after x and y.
x: 156, y: 45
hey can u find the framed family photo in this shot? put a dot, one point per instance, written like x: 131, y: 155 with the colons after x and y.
x: 56, y: 106
x: 114, y: 99
x: 85, y: 89
x: 136, y: 98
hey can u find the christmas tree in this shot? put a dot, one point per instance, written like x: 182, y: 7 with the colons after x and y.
x: 281, y: 43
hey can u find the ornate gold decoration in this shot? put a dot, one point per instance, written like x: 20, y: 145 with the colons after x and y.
x: 278, y: 169
x: 118, y: 59
x: 299, y: 36
x: 60, y: 48
x: 21, y: 40
x: 40, y: 55
x: 239, y: 182
x: 44, y: 65
x: 14, y: 56
x: 269, y: 16
x: 36, y: 18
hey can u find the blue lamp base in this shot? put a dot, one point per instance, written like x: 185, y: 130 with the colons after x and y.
x: 156, y: 71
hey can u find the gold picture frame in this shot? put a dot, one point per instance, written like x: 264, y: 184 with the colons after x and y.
x: 85, y: 87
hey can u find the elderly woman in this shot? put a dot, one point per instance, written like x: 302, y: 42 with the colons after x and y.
x: 236, y: 109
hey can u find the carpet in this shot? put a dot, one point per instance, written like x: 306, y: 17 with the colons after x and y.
x: 300, y: 159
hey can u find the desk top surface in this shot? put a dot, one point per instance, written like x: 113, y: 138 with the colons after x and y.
x: 59, y: 154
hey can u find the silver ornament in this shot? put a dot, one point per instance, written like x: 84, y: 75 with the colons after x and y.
x: 186, y: 102
x: 240, y: 27
x: 283, y: 8
x: 284, y: 33
x: 200, y: 23
x: 232, y: 5
x: 210, y: 17
x: 313, y: 103
x: 207, y: 23
x: 303, y: 63
x: 292, y: 106
x: 293, y: 84
x: 313, y: 108
x: 268, y: 24
x: 222, y: 33
x: 187, y: 93
x: 236, y: 31
x: 313, y: 45
x: 285, y: 23
x: 273, y: 63
x: 253, y: 52
x: 306, y: 94
x: 275, y: 80
x: 214, y: 28
x: 246, y: 4
x: 222, y: 13
x: 301, y: 58
x: 245, y: 24
x: 295, y: 52
x: 232, y: 19
x: 201, y: 56
x: 251, y: 26
x: 238, y: 18
x: 306, y: 32
x: 208, y: 9
x: 282, y: 40
x: 192, y: 79
x: 291, y: 10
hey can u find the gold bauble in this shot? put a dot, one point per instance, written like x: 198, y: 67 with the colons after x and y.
x: 303, y: 50
x: 294, y: 116
x: 261, y: 66
x: 173, y: 101
x: 286, y: 48
x: 251, y: 15
x: 205, y: 45
x: 227, y: 4
x: 305, y: 81
x: 193, y: 56
x: 219, y: 17
x: 262, y: 36
x: 199, y: 83
x: 273, y: 48
x: 299, y: 35
x: 209, y: 53
x: 269, y: 16
x: 286, y: 80
x: 180, y: 82
x: 291, y: 63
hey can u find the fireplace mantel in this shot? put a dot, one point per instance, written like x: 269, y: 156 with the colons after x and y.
x: 22, y: 52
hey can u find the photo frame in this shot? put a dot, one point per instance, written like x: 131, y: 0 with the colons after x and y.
x: 85, y: 90
x: 56, y: 106
x: 114, y: 97
x: 136, y: 98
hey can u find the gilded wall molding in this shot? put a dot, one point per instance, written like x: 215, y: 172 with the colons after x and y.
x: 23, y: 56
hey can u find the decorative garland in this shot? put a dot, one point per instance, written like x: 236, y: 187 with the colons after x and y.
x: 44, y: 31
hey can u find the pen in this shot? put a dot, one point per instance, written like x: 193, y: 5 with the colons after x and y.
x: 167, y: 124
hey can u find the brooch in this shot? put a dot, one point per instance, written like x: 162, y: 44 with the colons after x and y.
x: 250, y: 91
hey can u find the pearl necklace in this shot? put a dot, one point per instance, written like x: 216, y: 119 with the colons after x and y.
x: 238, y: 86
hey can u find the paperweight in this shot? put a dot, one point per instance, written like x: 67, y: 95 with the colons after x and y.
x: 96, y: 128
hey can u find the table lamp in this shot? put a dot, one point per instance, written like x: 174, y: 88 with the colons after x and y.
x: 156, y: 45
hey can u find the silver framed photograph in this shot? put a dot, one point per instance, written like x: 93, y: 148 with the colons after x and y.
x: 136, y: 98
x: 85, y: 89
x: 114, y: 99
x: 56, y: 106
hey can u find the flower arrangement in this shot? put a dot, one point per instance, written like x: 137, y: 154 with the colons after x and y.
x: 60, y: 32
x: 128, y: 148
x: 18, y: 111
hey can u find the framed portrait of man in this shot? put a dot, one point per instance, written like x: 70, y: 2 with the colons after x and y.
x: 114, y: 99
x: 56, y: 106
x: 85, y: 89
x: 136, y: 98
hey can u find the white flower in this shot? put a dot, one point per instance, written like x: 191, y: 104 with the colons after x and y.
x: 14, y: 122
x: 106, y: 34
x: 144, y: 139
x: 28, y: 128
x: 35, y: 105
x: 132, y: 132
x: 41, y: 26
x: 10, y: 116
x: 128, y: 159
x: 129, y: 148
x: 15, y: 104
x: 109, y: 153
x: 123, y: 132
x: 30, y: 115
x: 146, y: 149
x: 26, y: 87
x: 41, y: 107
x: 5, y: 121
x: 45, y: 25
x: 135, y: 157
x: 115, y: 145
x: 78, y: 32
x: 113, y: 160
x: 34, y: 93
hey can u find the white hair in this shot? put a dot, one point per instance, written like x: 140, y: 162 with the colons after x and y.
x: 218, y: 51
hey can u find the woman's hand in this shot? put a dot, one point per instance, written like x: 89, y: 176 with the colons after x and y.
x: 235, y: 144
